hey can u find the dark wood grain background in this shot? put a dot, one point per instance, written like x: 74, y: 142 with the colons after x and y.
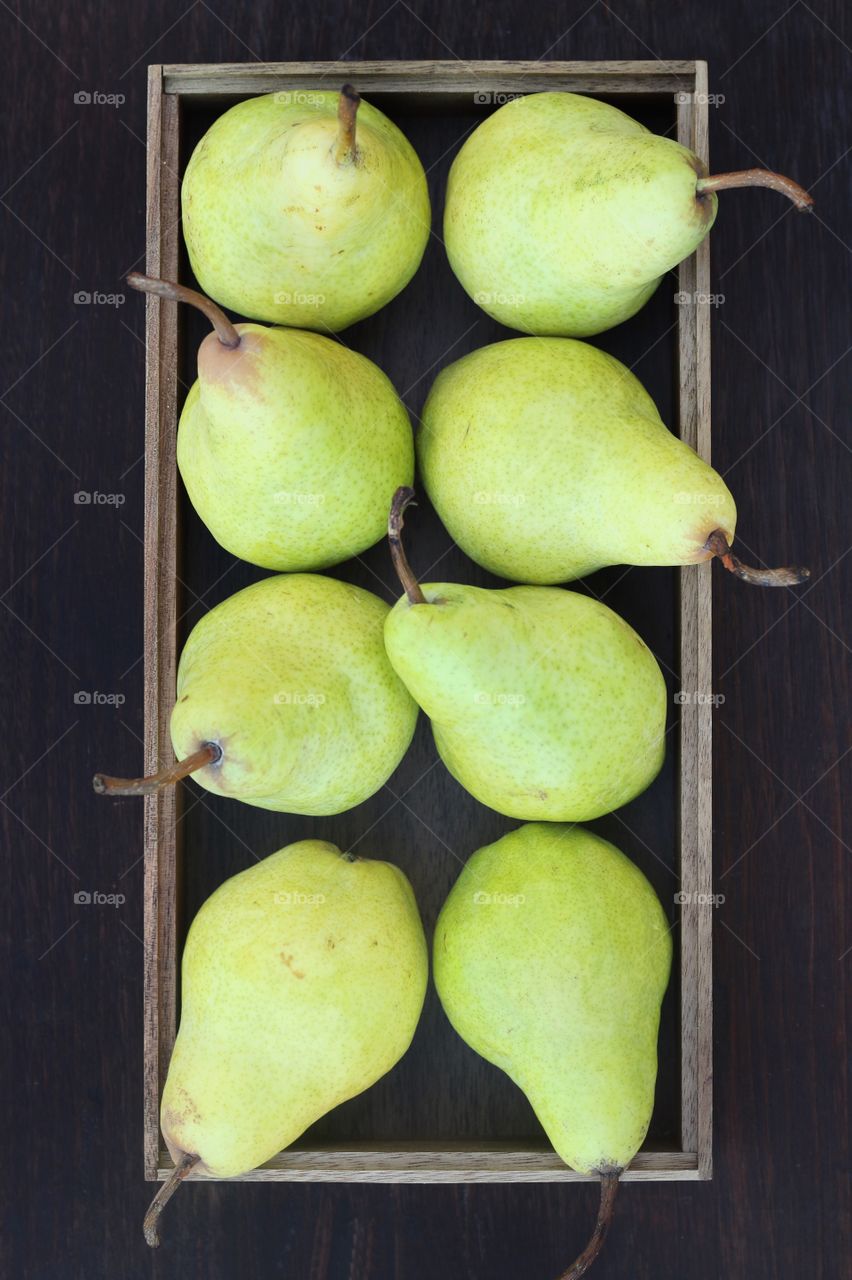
x: 72, y: 383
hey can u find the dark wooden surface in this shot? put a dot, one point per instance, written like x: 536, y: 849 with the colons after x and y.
x: 73, y: 220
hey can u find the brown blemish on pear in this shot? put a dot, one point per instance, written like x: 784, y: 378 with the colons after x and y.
x: 288, y: 961
x: 238, y: 366
x: 182, y: 1111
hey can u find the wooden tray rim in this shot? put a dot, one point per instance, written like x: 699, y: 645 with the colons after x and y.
x: 423, y: 1161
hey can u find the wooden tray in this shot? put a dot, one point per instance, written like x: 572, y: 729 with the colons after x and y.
x: 442, y: 1115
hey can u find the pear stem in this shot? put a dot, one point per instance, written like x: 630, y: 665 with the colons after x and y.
x: 718, y: 545
x: 401, y: 499
x: 757, y: 178
x: 609, y: 1189
x: 347, y: 110
x: 152, y: 1218
x: 225, y: 331
x: 104, y: 785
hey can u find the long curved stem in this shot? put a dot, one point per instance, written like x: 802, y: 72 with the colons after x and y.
x: 717, y: 543
x: 401, y: 499
x: 225, y: 331
x: 104, y: 785
x: 757, y: 178
x: 347, y: 109
x: 609, y: 1189
x: 152, y: 1218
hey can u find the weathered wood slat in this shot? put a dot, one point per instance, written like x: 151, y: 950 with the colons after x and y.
x: 487, y: 1162
x: 431, y: 77
x: 160, y: 588
x: 696, y: 676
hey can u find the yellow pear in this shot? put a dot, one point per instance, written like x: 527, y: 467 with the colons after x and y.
x: 290, y: 445
x: 302, y: 984
x: 544, y: 703
x: 551, y: 958
x: 563, y: 214
x: 286, y: 700
x: 294, y: 213
x: 546, y: 459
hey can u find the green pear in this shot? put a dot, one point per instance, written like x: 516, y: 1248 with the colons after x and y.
x: 286, y: 700
x: 290, y: 445
x: 546, y: 459
x: 292, y: 214
x: 563, y: 214
x: 551, y: 958
x: 303, y: 982
x: 544, y: 703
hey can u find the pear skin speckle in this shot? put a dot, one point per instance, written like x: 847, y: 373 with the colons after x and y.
x: 563, y: 214
x: 291, y: 678
x: 275, y: 1034
x: 554, y: 709
x: 551, y: 958
x: 546, y: 459
x: 291, y: 447
x: 268, y: 214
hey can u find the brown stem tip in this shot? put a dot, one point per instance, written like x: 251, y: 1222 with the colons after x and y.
x: 151, y: 1223
x: 717, y: 543
x: 757, y: 178
x: 402, y: 499
x: 609, y: 1190
x: 225, y: 331
x: 104, y: 785
x: 347, y: 109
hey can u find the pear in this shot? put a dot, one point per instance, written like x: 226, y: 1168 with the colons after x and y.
x: 551, y: 958
x: 286, y: 700
x: 293, y: 213
x: 563, y: 214
x: 544, y: 703
x: 546, y: 459
x: 303, y: 982
x: 290, y: 445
